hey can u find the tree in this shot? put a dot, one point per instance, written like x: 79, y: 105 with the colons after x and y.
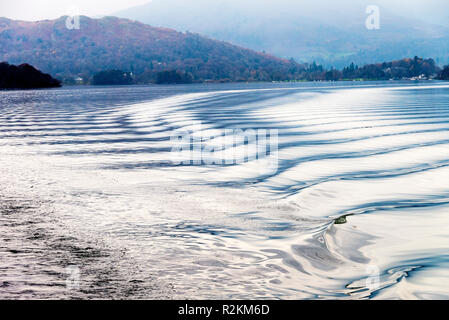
x: 113, y: 77
x: 173, y: 77
x: 444, y: 74
x: 24, y: 76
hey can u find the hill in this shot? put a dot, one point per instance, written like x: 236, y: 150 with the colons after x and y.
x: 24, y: 77
x: 329, y: 32
x: 119, y: 44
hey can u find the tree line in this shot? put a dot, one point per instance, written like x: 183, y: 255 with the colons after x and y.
x: 410, y: 68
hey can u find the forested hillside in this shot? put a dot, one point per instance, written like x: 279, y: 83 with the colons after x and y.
x: 120, y: 44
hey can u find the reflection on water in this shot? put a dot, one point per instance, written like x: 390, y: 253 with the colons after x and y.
x: 357, y: 209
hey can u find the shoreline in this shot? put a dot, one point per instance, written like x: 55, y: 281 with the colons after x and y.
x: 229, y: 83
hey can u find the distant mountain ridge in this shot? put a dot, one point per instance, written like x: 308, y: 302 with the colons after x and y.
x: 121, y: 44
x: 326, y: 31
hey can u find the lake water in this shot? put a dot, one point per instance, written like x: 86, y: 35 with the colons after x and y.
x: 92, y: 204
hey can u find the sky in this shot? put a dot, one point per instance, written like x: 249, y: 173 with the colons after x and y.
x: 433, y: 11
x: 32, y: 10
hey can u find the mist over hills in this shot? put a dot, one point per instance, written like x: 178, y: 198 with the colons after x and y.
x: 147, y: 54
x: 113, y: 43
x: 329, y: 32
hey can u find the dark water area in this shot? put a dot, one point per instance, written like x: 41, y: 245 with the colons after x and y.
x: 93, y: 205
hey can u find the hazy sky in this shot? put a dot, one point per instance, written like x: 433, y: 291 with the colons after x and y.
x: 50, y: 9
x: 434, y: 11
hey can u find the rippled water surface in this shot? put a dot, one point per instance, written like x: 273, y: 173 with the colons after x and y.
x: 361, y: 194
